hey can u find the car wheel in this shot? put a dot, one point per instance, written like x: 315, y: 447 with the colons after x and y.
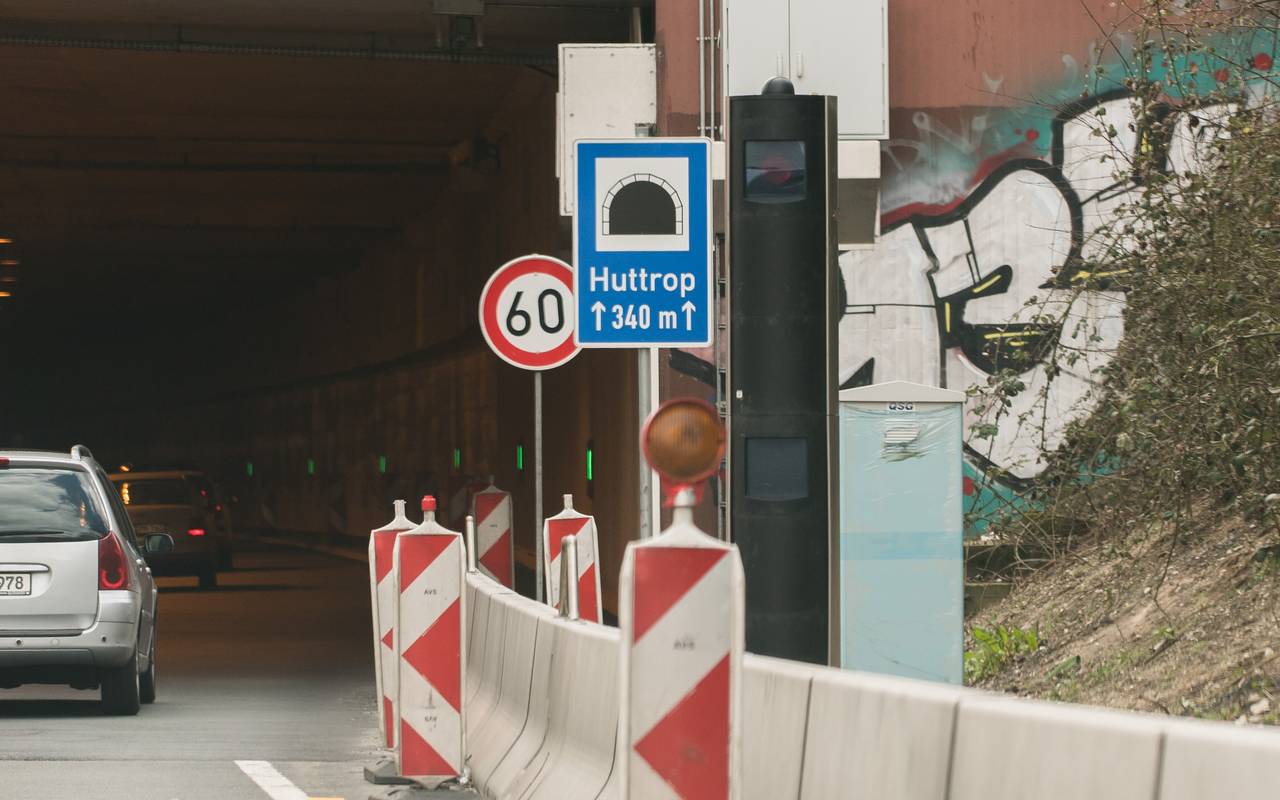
x: 120, y: 688
x: 147, y: 680
x: 209, y: 577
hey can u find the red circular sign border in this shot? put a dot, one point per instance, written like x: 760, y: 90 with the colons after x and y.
x: 499, y: 280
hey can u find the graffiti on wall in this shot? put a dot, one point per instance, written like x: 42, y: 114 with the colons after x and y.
x: 991, y: 220
x: 958, y: 290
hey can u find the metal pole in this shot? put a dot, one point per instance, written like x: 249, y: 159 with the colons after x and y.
x: 537, y: 484
x: 702, y: 66
x: 471, y: 542
x: 569, y: 578
x: 644, y: 404
x: 713, y: 44
x: 655, y: 482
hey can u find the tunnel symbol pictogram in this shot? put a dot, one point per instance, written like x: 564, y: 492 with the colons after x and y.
x: 642, y: 205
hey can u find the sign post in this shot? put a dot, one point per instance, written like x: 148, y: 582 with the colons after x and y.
x: 528, y: 317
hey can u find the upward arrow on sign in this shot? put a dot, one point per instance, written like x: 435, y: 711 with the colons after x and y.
x: 688, y: 308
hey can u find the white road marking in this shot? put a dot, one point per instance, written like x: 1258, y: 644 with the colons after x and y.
x: 269, y: 780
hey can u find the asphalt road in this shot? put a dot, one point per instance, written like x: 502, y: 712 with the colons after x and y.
x: 274, y: 666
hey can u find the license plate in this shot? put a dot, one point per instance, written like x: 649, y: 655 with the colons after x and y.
x: 13, y: 583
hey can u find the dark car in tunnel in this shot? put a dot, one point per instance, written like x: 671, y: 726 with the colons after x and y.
x: 179, y: 503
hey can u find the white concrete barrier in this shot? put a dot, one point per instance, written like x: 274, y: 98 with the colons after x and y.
x: 1212, y: 760
x: 584, y: 714
x: 491, y: 743
x: 1009, y: 749
x: 550, y: 690
x: 478, y: 619
x: 520, y: 759
x: 775, y: 711
x: 489, y: 671
x: 878, y: 736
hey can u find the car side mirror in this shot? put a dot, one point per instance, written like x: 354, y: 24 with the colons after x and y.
x: 157, y: 543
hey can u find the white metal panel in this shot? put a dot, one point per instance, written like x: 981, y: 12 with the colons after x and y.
x: 605, y: 91
x: 839, y: 49
x: 755, y: 44
x: 823, y: 47
x: 857, y: 160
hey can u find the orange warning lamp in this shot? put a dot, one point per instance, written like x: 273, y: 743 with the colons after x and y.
x: 429, y: 503
x: 684, y: 440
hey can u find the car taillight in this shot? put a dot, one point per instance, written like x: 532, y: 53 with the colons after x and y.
x: 195, y: 531
x: 113, y: 570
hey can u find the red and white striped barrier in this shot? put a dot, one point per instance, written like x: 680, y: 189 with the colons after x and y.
x: 495, y: 550
x: 431, y: 644
x: 681, y: 614
x: 383, y: 602
x: 571, y: 523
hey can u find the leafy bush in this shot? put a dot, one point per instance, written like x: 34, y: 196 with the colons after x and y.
x: 1187, y: 418
x: 994, y: 648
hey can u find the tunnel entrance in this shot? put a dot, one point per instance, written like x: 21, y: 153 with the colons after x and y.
x: 249, y: 240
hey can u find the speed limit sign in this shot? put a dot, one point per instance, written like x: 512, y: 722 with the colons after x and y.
x: 527, y: 312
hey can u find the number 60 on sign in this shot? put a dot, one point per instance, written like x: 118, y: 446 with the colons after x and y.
x: 527, y: 312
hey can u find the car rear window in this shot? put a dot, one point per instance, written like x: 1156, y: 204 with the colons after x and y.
x: 40, y: 503
x: 154, y: 492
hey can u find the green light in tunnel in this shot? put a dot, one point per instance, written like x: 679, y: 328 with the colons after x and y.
x: 520, y: 457
x: 457, y: 458
x: 248, y: 468
x: 311, y: 466
x: 591, y: 467
x: 382, y: 465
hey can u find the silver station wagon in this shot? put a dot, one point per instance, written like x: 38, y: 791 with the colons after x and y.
x: 77, y: 601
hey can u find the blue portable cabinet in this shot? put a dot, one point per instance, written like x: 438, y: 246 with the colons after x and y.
x: 900, y: 581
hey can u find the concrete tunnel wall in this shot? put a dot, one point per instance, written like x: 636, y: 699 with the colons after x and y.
x: 387, y: 360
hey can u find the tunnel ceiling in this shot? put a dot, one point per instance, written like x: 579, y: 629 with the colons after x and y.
x: 144, y: 183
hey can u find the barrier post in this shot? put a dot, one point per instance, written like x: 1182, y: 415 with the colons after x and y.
x: 431, y: 644
x: 681, y: 615
x: 569, y: 568
x: 383, y: 603
x: 471, y: 543
x: 587, y: 574
x: 496, y: 547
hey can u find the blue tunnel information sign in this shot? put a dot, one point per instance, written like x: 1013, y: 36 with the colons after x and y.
x: 642, y: 243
